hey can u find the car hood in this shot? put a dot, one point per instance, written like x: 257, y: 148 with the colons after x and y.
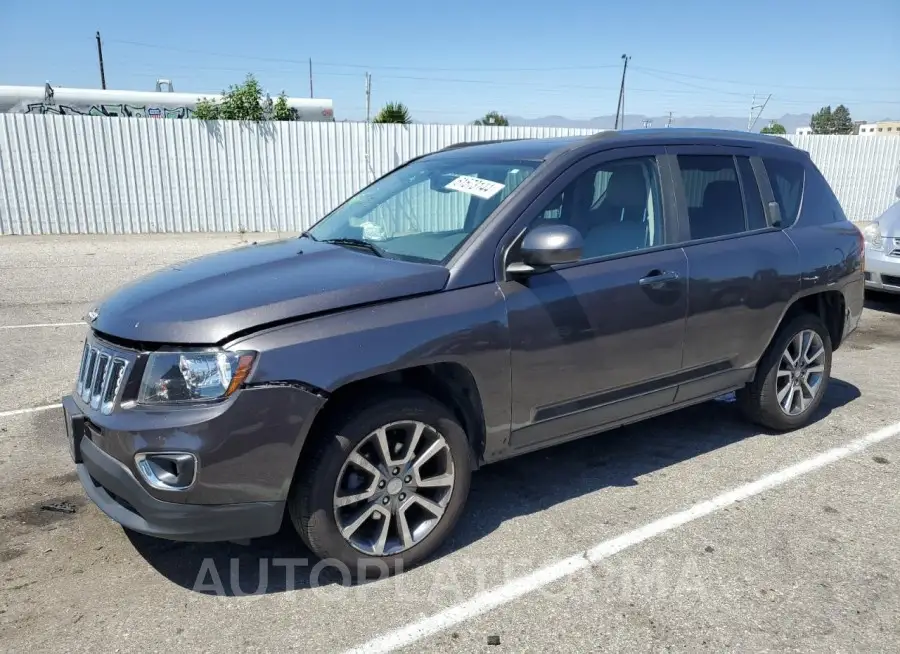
x: 889, y: 221
x: 207, y: 300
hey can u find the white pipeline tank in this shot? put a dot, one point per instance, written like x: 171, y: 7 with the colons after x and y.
x: 109, y: 102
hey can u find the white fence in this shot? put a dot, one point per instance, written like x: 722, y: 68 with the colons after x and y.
x: 72, y: 174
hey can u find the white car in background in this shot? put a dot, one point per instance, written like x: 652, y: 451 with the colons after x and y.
x: 883, y: 250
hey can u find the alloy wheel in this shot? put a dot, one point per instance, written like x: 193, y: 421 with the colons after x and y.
x: 801, y: 372
x: 393, y: 488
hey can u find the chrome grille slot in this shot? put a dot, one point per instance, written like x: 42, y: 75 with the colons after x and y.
x: 87, y: 379
x: 79, y: 386
x: 100, y: 377
x: 113, y: 385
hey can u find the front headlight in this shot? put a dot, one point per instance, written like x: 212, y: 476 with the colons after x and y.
x: 872, y: 234
x: 173, y: 377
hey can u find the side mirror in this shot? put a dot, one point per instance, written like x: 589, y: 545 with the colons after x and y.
x: 548, y: 245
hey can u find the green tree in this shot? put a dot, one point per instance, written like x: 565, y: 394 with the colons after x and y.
x: 245, y: 101
x: 822, y: 122
x: 774, y: 128
x: 493, y: 118
x: 393, y: 112
x: 281, y: 110
x: 843, y: 123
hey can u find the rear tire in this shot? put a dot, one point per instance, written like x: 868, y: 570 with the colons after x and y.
x: 791, y: 378
x: 402, y: 495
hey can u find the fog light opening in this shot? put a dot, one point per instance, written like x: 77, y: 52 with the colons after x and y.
x: 167, y: 470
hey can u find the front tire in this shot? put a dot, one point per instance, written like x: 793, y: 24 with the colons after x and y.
x: 384, y: 484
x: 791, y: 378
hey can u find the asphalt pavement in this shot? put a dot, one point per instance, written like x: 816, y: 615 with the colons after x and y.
x: 691, y: 532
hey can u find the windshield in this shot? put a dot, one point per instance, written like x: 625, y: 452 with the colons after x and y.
x: 426, y: 210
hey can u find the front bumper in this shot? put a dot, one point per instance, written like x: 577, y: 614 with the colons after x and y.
x: 246, y: 451
x: 882, y: 272
x: 117, y: 493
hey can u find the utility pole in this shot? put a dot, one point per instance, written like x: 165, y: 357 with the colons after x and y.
x: 100, y: 57
x: 669, y: 122
x: 368, y: 96
x: 310, y: 78
x: 753, y: 107
x: 620, y: 107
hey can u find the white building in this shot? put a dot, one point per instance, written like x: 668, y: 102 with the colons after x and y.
x: 804, y: 131
x: 886, y: 128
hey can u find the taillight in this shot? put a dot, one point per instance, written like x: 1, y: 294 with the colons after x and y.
x: 861, y: 240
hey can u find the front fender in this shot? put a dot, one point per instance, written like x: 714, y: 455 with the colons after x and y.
x: 466, y: 326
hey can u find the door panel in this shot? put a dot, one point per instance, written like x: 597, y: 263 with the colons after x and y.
x: 742, y: 272
x: 601, y: 339
x: 587, y: 339
x: 739, y: 289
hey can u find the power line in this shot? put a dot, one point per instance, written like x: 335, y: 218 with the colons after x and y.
x: 367, y: 66
x: 356, y: 65
x: 744, y: 95
x: 745, y: 83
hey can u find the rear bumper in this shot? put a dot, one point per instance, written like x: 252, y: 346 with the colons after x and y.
x: 113, y: 488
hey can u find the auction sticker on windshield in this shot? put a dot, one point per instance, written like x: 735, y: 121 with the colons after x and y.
x: 482, y: 188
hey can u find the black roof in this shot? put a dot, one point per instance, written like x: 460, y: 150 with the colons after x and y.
x: 542, y: 148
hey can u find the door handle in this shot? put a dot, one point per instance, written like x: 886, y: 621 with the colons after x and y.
x: 657, y: 278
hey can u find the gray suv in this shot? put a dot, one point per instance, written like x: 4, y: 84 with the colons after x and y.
x: 473, y: 304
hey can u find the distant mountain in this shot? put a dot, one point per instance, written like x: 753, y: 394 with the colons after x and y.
x: 790, y: 121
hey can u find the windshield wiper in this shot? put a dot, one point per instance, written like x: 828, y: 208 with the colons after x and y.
x: 356, y: 243
x: 308, y: 235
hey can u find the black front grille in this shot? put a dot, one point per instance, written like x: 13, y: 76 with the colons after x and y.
x: 890, y: 280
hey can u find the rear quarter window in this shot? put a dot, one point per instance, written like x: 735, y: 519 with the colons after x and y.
x: 820, y: 206
x: 788, y: 180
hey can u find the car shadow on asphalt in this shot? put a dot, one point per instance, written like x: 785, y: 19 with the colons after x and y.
x: 520, y: 486
x: 886, y: 302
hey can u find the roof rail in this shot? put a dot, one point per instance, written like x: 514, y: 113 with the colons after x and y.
x: 604, y: 134
x: 465, y: 144
x: 656, y: 132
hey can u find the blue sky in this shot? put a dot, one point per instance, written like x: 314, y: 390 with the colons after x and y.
x: 452, y: 62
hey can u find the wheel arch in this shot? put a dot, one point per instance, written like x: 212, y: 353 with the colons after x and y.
x: 448, y: 382
x: 828, y: 305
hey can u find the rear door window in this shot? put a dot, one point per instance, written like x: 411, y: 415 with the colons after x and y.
x: 712, y: 189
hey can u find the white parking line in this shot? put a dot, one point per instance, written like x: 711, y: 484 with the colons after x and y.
x: 16, y: 412
x: 43, y: 324
x: 496, y: 597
